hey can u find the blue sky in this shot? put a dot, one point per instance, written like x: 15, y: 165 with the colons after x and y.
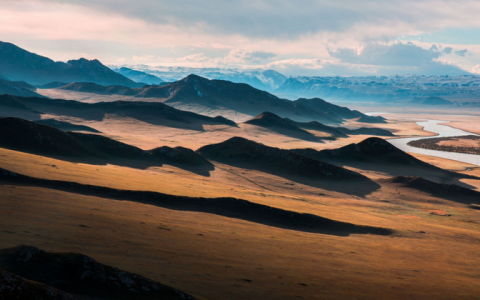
x: 303, y: 37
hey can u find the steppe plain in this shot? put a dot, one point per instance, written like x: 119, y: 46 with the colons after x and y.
x: 432, y: 252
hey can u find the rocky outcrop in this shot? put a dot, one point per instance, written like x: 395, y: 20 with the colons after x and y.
x: 81, y: 275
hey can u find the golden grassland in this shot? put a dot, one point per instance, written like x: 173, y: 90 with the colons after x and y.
x: 429, y: 256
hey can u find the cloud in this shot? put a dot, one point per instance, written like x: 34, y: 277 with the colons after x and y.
x: 397, y: 54
x: 248, y: 56
x: 290, y: 19
x: 461, y: 52
x: 295, y: 35
x: 143, y: 58
x: 447, y: 50
x: 405, y: 56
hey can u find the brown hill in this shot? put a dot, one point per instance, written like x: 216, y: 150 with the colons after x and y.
x: 82, y: 276
x: 31, y: 137
x: 150, y: 112
x: 22, y: 135
x: 283, y: 126
x: 296, y: 129
x: 441, y: 190
x: 379, y: 155
x: 199, y: 94
x: 248, y: 154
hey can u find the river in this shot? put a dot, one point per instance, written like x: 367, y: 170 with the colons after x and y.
x: 435, y: 126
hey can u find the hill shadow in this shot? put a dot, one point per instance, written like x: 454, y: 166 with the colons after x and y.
x: 35, y: 138
x: 243, y: 153
x: 450, y: 192
x: 360, y: 186
x: 376, y: 154
x: 227, y: 207
x: 154, y: 113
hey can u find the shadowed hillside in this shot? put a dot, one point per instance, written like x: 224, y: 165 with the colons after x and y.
x: 379, y: 155
x: 248, y: 154
x: 294, y: 129
x: 139, y: 76
x: 31, y: 137
x: 14, y: 287
x: 82, y: 276
x: 19, y: 64
x: 65, y: 126
x: 198, y: 94
x: 17, y: 88
x: 451, y: 192
x: 90, y: 87
x: 150, y: 112
x: 283, y: 126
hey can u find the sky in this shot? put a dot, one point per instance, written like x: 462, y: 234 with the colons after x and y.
x: 301, y: 37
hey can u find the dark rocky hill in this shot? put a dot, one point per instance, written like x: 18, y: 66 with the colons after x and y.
x: 241, y: 150
x: 447, y: 191
x: 65, y: 126
x: 82, y: 276
x: 31, y: 137
x: 150, y: 112
x: 297, y: 129
x: 14, y: 287
x: 377, y: 154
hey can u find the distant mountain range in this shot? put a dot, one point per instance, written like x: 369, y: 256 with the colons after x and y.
x: 267, y: 80
x: 139, y: 76
x: 462, y: 88
x: 17, y: 64
x: 198, y: 94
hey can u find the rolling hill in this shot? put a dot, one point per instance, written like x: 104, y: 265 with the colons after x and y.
x: 200, y: 95
x: 17, y: 88
x: 247, y: 154
x: 379, y: 155
x: 297, y: 129
x: 31, y: 137
x: 150, y: 112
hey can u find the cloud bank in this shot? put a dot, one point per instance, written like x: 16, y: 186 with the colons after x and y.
x: 318, y: 37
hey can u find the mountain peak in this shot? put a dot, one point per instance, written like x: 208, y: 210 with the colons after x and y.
x: 194, y: 78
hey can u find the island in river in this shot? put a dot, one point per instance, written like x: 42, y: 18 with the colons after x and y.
x: 469, y: 144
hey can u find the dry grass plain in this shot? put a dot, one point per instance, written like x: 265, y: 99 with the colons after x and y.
x: 429, y: 256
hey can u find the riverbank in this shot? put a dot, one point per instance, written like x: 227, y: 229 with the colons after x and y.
x: 441, y: 130
x: 469, y: 144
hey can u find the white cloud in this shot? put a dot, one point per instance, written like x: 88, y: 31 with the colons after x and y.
x: 461, y: 52
x: 248, y: 56
x: 283, y: 34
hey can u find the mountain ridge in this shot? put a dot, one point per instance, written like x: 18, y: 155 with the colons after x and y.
x: 18, y: 64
